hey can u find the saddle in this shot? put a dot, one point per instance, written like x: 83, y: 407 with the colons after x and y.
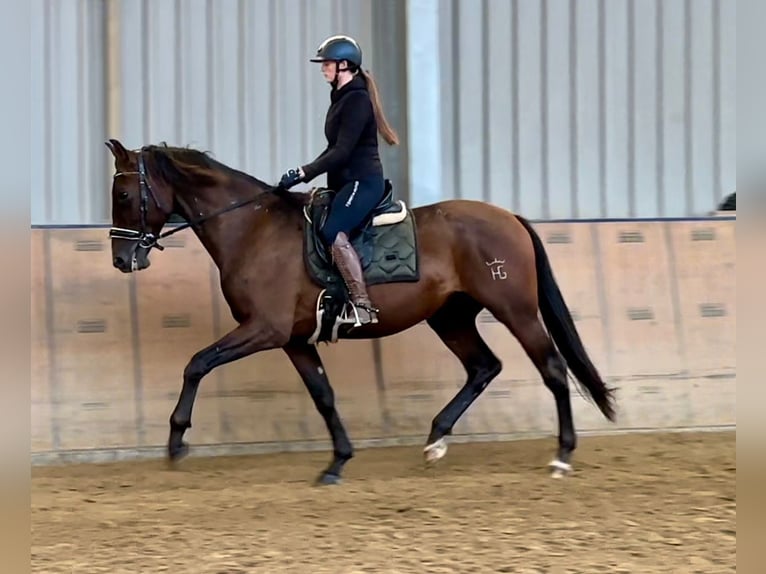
x: 387, y: 246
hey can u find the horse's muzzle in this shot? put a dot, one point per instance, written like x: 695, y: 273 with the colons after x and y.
x: 136, y: 261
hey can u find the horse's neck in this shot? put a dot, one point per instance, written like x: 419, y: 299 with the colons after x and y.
x: 221, y: 234
x: 218, y: 232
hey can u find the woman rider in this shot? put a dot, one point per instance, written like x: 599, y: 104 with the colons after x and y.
x: 350, y: 160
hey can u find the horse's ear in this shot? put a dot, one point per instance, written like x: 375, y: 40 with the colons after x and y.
x: 118, y: 150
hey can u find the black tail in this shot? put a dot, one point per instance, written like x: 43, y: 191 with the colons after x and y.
x: 559, y: 323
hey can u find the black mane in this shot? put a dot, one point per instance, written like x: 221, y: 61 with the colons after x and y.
x: 188, y: 167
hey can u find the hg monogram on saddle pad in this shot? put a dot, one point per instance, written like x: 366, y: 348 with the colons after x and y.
x: 387, y: 247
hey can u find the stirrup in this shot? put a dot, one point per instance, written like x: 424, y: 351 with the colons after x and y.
x: 372, y: 313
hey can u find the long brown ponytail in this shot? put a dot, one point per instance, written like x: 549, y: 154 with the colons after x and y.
x: 383, y: 127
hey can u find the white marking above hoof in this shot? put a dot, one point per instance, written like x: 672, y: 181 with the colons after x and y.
x: 559, y: 469
x: 435, y: 450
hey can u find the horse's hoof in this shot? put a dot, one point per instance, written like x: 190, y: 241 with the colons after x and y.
x: 176, y: 453
x: 559, y: 469
x: 328, y: 478
x: 435, y: 451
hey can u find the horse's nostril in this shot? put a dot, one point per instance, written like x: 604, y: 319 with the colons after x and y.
x: 118, y: 261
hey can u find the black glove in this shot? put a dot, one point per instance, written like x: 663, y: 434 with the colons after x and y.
x: 290, y: 178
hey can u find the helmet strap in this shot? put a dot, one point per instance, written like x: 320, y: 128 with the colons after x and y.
x: 338, y: 69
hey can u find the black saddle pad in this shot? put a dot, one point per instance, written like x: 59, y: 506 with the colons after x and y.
x: 386, y: 244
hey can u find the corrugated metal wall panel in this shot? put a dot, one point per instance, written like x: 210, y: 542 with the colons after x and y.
x: 229, y: 77
x: 555, y: 108
x: 39, y: 200
x: 389, y: 67
x: 564, y: 109
x: 725, y: 54
x: 232, y: 78
x: 588, y: 194
x: 68, y: 111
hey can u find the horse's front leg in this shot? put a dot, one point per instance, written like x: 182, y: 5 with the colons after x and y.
x: 250, y: 337
x: 307, y: 362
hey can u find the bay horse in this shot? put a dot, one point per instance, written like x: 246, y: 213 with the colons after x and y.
x: 254, y: 233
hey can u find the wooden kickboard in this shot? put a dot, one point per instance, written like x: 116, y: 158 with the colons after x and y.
x: 576, y: 262
x: 420, y: 376
x: 351, y: 369
x: 41, y: 423
x: 706, y: 272
x: 93, y: 342
x: 260, y: 398
x: 653, y: 302
x: 641, y: 322
x: 174, y: 306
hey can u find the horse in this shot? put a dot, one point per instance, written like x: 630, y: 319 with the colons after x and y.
x: 258, y: 236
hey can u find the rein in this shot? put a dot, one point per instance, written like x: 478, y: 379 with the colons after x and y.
x: 147, y: 239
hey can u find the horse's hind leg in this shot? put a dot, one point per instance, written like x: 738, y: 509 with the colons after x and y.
x: 527, y: 328
x: 455, y: 324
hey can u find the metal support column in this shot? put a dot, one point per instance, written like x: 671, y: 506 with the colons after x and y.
x: 424, y: 101
x: 389, y: 68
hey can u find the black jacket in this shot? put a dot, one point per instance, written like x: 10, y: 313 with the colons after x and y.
x: 352, y: 138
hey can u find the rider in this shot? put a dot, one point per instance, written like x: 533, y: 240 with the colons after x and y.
x: 351, y: 158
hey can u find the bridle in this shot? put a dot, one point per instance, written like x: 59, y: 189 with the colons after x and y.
x: 145, y: 238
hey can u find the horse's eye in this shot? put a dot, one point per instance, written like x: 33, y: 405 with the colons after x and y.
x: 123, y: 196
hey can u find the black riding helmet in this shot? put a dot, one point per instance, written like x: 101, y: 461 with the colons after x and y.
x: 338, y: 48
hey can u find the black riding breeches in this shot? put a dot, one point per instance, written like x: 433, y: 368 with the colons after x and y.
x: 352, y: 205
